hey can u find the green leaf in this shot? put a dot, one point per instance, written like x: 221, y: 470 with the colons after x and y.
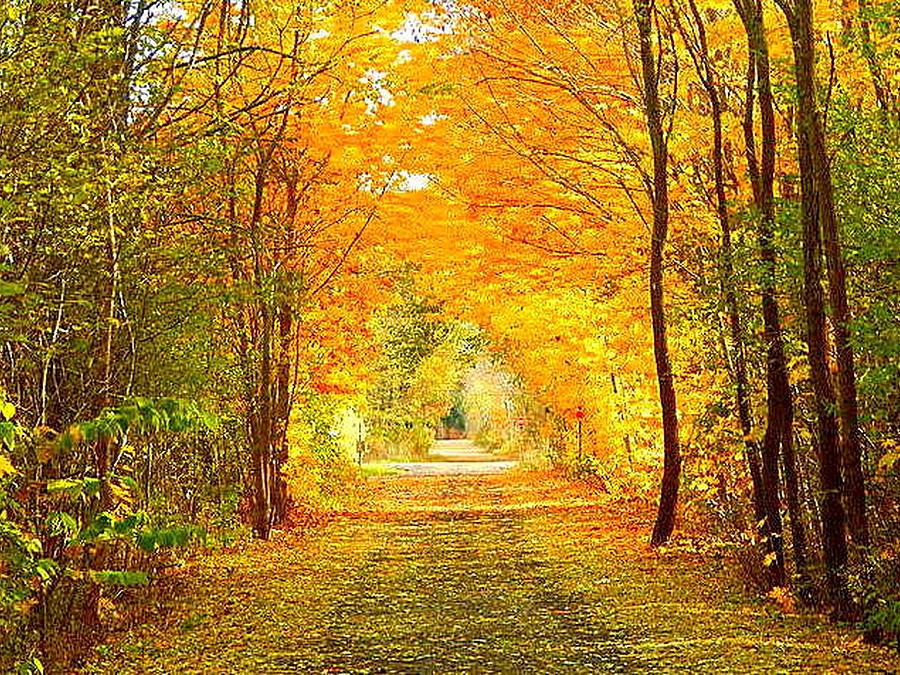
x: 91, y: 486
x: 62, y: 523
x: 74, y: 487
x: 10, y: 288
x: 33, y: 546
x: 68, y: 486
x: 7, y: 434
x: 120, y: 578
x: 46, y: 569
x: 174, y: 537
x: 33, y: 665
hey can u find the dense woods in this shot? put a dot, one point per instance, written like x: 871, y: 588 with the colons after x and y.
x: 246, y: 246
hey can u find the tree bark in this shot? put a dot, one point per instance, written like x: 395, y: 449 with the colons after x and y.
x: 699, y: 50
x: 780, y: 404
x: 778, y: 438
x: 283, y: 408
x: 665, y: 519
x: 851, y: 450
x: 816, y: 202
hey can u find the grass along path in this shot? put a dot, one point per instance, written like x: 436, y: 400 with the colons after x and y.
x: 500, y: 573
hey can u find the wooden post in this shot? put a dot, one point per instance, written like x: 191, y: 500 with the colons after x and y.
x: 579, y: 415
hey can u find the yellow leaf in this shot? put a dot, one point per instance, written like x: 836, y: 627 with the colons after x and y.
x: 6, y: 466
x: 888, y: 460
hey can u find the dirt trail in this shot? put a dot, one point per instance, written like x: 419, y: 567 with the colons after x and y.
x: 506, y: 572
x: 455, y: 458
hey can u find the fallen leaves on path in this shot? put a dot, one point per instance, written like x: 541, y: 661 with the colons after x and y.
x: 514, y: 572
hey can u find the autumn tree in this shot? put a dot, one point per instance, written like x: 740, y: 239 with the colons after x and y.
x: 648, y: 23
x: 820, y: 237
x: 778, y: 438
x: 693, y: 30
x: 283, y: 92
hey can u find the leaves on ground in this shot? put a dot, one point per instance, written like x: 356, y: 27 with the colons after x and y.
x: 511, y: 572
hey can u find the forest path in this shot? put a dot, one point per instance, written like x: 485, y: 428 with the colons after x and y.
x: 455, y: 457
x: 510, y: 572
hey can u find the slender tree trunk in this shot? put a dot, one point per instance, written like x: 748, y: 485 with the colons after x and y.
x: 780, y: 400
x: 283, y: 408
x: 261, y: 471
x: 883, y: 94
x: 851, y: 450
x: 262, y: 409
x: 665, y: 519
x: 795, y: 510
x: 778, y: 396
x: 263, y: 441
x: 778, y: 438
x: 814, y: 203
x: 831, y: 483
x: 700, y: 53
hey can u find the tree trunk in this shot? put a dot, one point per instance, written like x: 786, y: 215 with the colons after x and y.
x: 665, y: 519
x: 851, y: 451
x: 261, y: 473
x: 700, y: 52
x: 283, y: 408
x: 795, y: 511
x: 261, y: 428
x: 779, y: 407
x: 814, y: 203
x: 778, y: 438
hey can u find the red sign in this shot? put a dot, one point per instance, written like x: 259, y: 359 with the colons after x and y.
x: 579, y: 413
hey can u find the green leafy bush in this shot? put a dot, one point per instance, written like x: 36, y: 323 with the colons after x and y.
x: 70, y: 544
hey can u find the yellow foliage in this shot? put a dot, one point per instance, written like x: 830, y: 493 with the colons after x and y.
x: 6, y: 467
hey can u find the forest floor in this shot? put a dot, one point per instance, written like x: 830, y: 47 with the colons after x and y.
x: 493, y: 572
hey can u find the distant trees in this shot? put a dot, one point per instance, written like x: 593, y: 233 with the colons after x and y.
x: 423, y: 361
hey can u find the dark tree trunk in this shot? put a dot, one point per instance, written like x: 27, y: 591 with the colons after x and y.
x: 780, y: 404
x: 795, y: 511
x: 778, y: 438
x: 816, y: 201
x: 699, y: 50
x: 261, y: 368
x: 262, y: 438
x: 283, y: 408
x: 665, y: 519
x: 261, y: 476
x: 851, y: 451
